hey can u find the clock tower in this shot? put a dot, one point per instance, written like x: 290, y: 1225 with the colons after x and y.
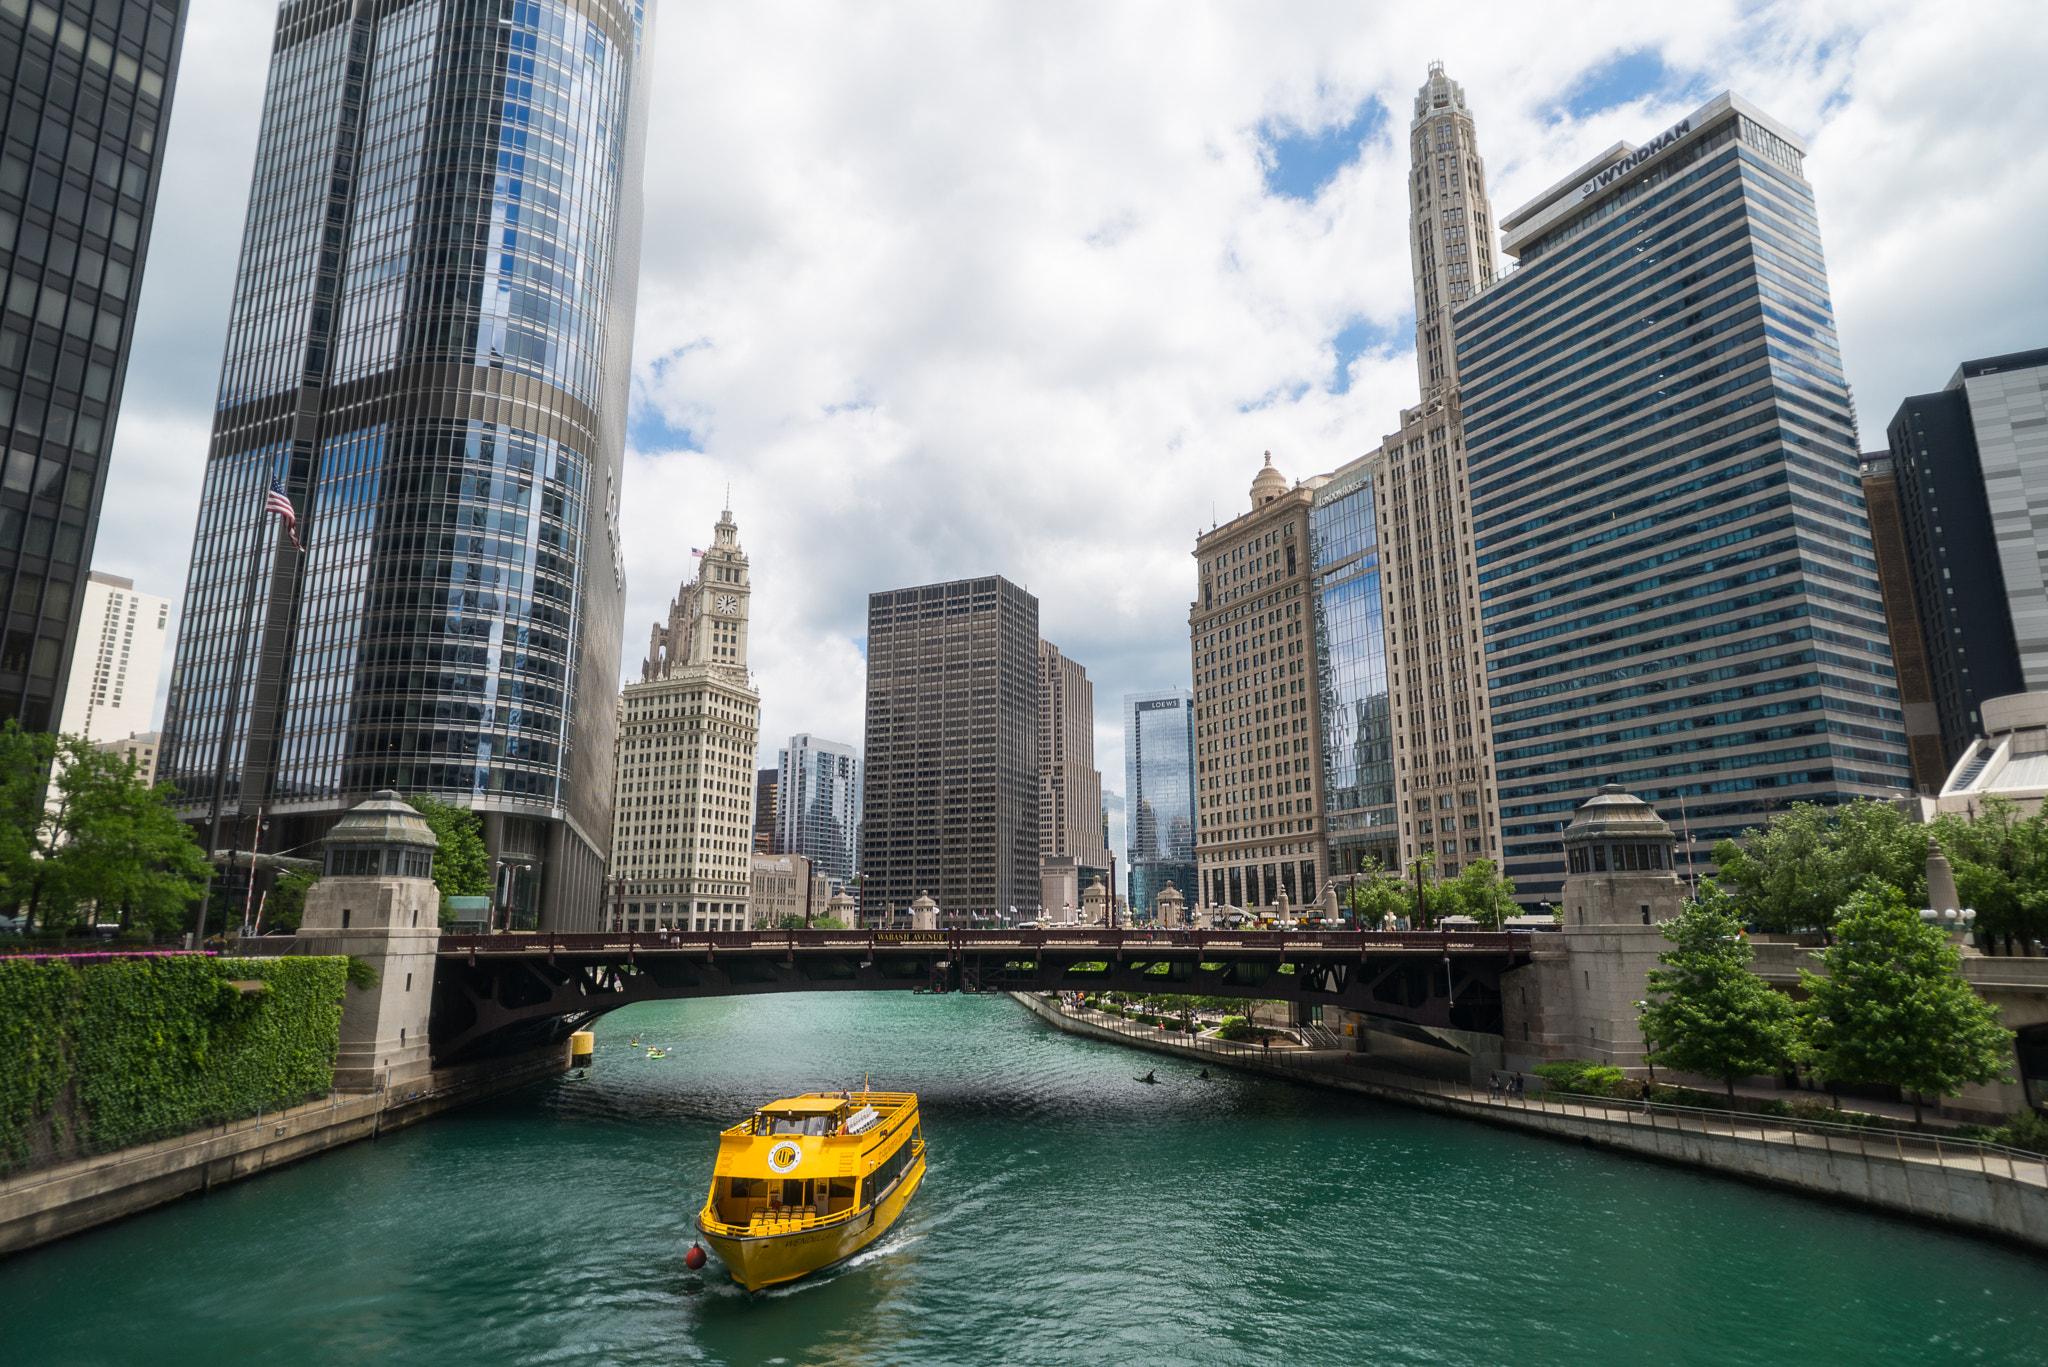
x: 718, y: 629
x: 683, y: 823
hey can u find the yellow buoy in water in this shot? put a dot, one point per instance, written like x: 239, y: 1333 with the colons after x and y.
x: 581, y: 1045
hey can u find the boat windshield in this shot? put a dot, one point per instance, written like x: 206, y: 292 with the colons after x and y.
x: 769, y: 1123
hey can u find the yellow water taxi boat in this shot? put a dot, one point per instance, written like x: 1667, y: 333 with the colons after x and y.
x: 810, y: 1181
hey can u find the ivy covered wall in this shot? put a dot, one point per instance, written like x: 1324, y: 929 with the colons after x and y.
x: 104, y: 1055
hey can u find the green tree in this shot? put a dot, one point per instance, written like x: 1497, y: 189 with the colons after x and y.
x: 81, y: 836
x: 123, y: 849
x: 2000, y: 858
x: 1478, y: 891
x: 462, y: 867
x: 1713, y: 1015
x: 1795, y: 872
x: 1375, y: 894
x: 285, y: 908
x: 28, y: 824
x: 1892, y: 1008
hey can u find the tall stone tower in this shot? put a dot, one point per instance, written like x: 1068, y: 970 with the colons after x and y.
x: 1450, y: 223
x: 377, y: 901
x: 1443, y: 757
x: 683, y: 817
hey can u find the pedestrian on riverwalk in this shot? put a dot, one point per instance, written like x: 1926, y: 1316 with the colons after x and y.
x: 1493, y: 1086
x: 1515, y: 1088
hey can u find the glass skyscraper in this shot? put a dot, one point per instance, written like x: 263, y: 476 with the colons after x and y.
x: 428, y: 353
x: 1351, y: 673
x: 1159, y: 787
x: 85, y: 91
x: 817, y: 804
x: 1676, y: 580
x: 1968, y: 461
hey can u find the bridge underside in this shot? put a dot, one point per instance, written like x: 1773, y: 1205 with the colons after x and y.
x: 489, y: 1001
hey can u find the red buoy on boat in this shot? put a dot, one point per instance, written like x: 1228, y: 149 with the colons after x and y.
x: 694, y: 1259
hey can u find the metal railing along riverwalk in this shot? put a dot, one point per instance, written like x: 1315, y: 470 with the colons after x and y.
x: 1973, y: 1155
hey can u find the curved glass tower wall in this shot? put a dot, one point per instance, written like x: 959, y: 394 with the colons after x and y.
x: 429, y: 347
x: 1159, y: 784
x: 1351, y: 672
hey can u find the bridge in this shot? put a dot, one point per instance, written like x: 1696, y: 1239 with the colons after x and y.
x: 495, y: 994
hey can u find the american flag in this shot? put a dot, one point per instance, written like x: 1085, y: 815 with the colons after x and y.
x: 282, y: 506
x: 694, y: 551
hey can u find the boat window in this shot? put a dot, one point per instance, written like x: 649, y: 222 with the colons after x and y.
x: 799, y: 1124
x: 743, y: 1187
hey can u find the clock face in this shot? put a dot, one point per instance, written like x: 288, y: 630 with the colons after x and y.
x: 728, y: 604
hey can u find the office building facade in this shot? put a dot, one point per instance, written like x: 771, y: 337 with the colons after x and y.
x: 1356, y: 750
x: 85, y: 95
x: 1915, y: 679
x: 767, y: 792
x: 1970, y: 464
x: 1675, y: 585
x: 1159, y: 776
x: 110, y: 692
x: 1069, y: 785
x: 428, y: 356
x: 949, y: 800
x: 817, y: 811
x: 139, y: 749
x: 682, y: 838
x: 1258, y: 712
x: 787, y: 886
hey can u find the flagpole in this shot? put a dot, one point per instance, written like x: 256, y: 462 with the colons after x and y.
x: 227, y: 722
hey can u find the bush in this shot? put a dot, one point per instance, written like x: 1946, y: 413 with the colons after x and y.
x: 1235, y: 1028
x: 1586, y: 1078
x: 2026, y: 1130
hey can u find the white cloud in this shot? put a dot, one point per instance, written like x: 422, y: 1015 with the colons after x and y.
x: 956, y: 290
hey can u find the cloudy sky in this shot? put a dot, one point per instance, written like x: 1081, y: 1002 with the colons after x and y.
x: 946, y: 290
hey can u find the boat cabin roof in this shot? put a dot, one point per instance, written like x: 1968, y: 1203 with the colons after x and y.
x: 805, y: 1105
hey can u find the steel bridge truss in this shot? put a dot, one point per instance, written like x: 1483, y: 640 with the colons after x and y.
x: 498, y: 993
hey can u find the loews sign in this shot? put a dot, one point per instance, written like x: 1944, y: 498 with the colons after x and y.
x: 1637, y: 157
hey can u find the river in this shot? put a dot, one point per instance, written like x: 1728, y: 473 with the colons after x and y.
x: 1071, y: 1216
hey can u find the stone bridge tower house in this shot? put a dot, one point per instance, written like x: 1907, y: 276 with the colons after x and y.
x: 377, y: 900
x: 1578, y: 998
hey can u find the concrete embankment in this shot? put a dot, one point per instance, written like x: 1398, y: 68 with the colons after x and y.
x: 38, y: 1207
x: 1962, y: 1186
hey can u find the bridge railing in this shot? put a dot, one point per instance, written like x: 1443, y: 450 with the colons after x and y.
x: 986, y: 941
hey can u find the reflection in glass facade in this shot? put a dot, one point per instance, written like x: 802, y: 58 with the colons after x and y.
x: 84, y: 93
x: 429, y: 346
x: 1351, y: 673
x: 1159, y: 788
x: 817, y: 804
x: 1676, y: 579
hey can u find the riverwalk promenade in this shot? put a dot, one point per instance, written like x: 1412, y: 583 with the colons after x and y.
x: 1962, y: 1184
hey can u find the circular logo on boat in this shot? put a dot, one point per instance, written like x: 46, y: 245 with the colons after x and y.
x: 784, y: 1156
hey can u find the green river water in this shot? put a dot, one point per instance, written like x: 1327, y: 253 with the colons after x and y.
x: 1071, y: 1216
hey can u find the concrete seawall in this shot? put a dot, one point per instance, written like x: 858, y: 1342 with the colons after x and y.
x: 37, y: 1207
x: 1967, y: 1189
